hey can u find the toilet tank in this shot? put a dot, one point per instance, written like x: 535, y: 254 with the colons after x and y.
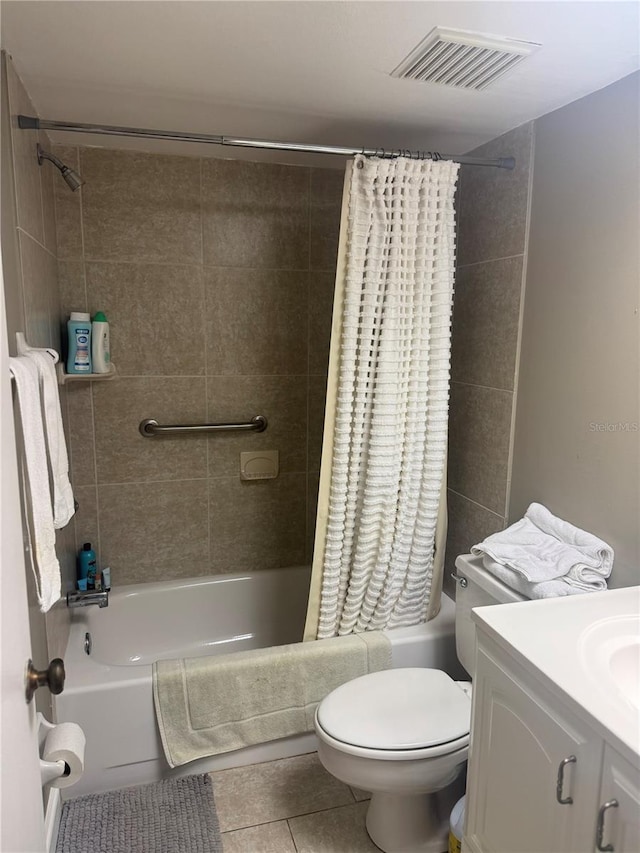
x: 482, y: 588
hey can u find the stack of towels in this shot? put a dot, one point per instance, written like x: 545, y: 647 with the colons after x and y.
x: 543, y: 556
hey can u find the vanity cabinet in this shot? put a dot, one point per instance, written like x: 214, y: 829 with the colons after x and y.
x: 538, y: 773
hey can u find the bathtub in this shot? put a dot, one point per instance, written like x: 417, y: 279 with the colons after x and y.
x: 108, y: 691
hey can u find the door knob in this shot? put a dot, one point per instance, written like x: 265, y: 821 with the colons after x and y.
x: 53, y: 677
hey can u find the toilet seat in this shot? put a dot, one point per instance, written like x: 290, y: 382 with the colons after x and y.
x: 460, y: 745
x: 407, y: 713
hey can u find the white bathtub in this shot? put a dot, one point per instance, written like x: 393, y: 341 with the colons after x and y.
x: 109, y: 691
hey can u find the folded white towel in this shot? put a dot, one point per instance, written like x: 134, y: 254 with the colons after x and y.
x: 545, y: 589
x: 542, y: 547
x: 38, y: 512
x: 63, y: 504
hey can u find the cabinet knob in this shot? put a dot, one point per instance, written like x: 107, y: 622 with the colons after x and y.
x: 564, y: 801
x: 607, y: 848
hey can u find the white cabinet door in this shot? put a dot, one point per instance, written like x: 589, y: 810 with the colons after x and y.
x: 519, y: 739
x: 620, y: 825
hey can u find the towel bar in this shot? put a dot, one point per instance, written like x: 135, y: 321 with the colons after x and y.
x: 150, y: 428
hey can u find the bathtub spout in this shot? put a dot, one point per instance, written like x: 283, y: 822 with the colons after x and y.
x: 84, y: 599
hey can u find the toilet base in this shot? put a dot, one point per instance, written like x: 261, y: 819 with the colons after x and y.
x: 398, y: 823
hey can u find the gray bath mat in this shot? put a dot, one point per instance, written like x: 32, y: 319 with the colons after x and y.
x: 171, y: 816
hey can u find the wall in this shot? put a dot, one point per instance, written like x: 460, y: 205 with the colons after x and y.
x: 577, y: 444
x: 217, y: 279
x: 493, y: 209
x: 32, y: 303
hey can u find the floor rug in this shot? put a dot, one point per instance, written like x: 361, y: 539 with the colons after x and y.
x: 171, y: 816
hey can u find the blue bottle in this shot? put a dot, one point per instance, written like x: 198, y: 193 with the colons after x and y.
x: 87, y: 565
x: 79, y: 332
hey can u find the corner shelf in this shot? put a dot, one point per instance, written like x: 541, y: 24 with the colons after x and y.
x: 64, y: 377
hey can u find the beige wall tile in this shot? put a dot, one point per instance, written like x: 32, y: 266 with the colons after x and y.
x: 123, y: 455
x: 47, y: 175
x: 86, y: 518
x: 155, y: 314
x: 140, y: 207
x: 255, y: 215
x: 267, y: 838
x: 11, y: 264
x: 73, y: 296
x: 72, y: 289
x: 330, y: 831
x: 468, y: 524
x: 494, y: 202
x: 257, y: 525
x: 81, y: 434
x: 317, y: 399
x: 486, y: 316
x: 281, y: 399
x: 255, y: 347
x: 261, y: 793
x: 321, y: 292
x: 68, y: 207
x: 153, y: 532
x: 25, y: 160
x: 66, y: 553
x: 479, y: 434
x: 324, y: 226
x: 256, y: 322
x: 40, y: 290
x: 313, y: 483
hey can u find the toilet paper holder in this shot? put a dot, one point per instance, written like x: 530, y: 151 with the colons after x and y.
x: 49, y: 770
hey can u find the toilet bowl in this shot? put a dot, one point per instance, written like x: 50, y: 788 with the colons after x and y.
x: 403, y: 735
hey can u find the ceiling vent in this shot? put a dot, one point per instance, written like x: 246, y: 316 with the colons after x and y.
x: 464, y: 59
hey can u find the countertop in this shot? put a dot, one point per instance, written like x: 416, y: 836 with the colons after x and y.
x: 569, y: 641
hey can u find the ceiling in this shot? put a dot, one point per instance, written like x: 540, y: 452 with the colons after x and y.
x: 303, y: 71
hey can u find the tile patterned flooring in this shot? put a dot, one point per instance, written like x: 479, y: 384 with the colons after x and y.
x: 290, y: 806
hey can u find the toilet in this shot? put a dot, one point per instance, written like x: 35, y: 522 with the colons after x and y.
x: 403, y: 734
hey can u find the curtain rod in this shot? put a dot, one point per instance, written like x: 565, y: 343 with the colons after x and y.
x: 34, y: 123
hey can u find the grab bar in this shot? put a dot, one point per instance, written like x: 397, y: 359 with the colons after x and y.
x: 150, y: 428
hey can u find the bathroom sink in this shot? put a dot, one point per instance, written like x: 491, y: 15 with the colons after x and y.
x: 610, y: 653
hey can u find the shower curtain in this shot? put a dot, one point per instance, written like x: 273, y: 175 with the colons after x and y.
x: 381, y: 521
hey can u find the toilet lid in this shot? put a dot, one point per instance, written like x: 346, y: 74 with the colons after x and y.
x: 408, y: 708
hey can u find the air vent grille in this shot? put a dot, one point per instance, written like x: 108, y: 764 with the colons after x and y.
x: 463, y: 59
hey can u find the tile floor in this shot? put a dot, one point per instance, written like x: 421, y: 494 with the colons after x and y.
x: 290, y: 806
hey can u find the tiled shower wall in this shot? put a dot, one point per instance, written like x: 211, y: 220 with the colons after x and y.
x: 493, y: 210
x: 217, y: 278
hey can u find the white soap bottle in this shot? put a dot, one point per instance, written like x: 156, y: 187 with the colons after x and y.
x: 100, y: 355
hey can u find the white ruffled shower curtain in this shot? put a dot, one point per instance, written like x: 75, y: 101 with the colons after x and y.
x: 381, y: 522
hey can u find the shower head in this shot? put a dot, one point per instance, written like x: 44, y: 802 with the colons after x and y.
x: 73, y: 179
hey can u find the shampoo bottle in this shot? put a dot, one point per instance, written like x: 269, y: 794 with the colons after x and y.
x: 79, y: 328
x: 87, y: 564
x: 100, y: 356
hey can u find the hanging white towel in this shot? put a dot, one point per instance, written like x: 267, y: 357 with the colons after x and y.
x: 63, y: 504
x: 45, y: 564
x: 541, y: 547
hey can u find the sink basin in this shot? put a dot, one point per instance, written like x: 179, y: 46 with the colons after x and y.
x: 624, y: 668
x: 610, y: 654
